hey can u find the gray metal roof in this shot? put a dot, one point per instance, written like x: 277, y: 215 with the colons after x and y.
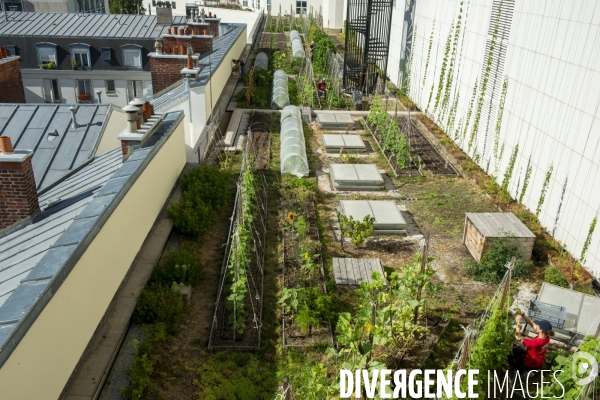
x: 499, y: 225
x: 30, y: 126
x: 35, y: 259
x: 210, y: 62
x: 84, y: 25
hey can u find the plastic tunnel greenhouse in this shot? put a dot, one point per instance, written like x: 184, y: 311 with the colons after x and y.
x: 280, y: 96
x: 293, y: 146
x: 297, y: 48
x: 261, y: 62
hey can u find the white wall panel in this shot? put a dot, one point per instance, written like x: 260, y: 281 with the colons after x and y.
x: 552, y: 104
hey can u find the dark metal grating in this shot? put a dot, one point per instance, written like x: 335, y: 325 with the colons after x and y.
x: 367, y: 43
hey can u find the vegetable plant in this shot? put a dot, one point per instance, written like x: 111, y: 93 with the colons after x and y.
x: 357, y: 231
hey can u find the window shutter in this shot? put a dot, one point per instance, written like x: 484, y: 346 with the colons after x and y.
x: 48, y: 90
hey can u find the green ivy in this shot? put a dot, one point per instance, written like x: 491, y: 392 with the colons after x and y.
x: 525, y: 183
x: 484, y: 83
x: 588, y: 239
x: 452, y: 116
x: 470, y: 110
x: 538, y: 209
x: 409, y: 71
x: 445, y: 60
x: 499, y: 118
x: 428, y: 55
x: 509, y: 171
x: 450, y: 76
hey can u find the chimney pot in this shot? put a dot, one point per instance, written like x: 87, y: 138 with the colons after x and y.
x: 167, y: 49
x: 175, y: 49
x: 139, y: 103
x: 151, y: 109
x: 209, y: 14
x: 131, y: 114
x: 168, y: 31
x: 73, y: 110
x: 190, y: 62
x: 147, y: 111
x: 182, y: 49
x: 180, y: 31
x: 1, y: 53
x: 6, y: 145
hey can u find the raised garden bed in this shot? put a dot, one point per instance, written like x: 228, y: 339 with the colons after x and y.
x: 412, y: 169
x: 428, y: 156
x: 237, y: 317
x: 259, y: 141
x: 295, y: 276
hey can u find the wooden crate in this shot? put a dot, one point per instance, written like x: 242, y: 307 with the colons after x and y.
x: 481, y: 227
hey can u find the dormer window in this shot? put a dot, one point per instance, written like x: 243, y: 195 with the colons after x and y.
x: 132, y: 57
x: 46, y: 55
x: 80, y: 56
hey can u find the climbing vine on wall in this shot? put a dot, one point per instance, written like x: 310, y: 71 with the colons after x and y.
x: 509, y: 171
x: 428, y: 55
x: 470, y: 110
x: 588, y: 239
x: 409, y: 71
x: 452, y: 116
x: 450, y: 75
x: 525, y: 183
x: 499, y: 118
x: 538, y: 209
x: 484, y: 82
x: 445, y: 60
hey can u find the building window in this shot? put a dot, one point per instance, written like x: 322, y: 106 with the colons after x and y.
x: 134, y: 89
x: 132, y: 57
x: 12, y: 50
x: 46, y: 55
x: 106, y: 54
x: 172, y: 4
x: 245, y: 3
x: 51, y: 92
x: 84, y: 90
x: 12, y: 6
x: 301, y: 7
x: 268, y: 5
x: 80, y: 56
x: 110, y: 87
x: 91, y: 6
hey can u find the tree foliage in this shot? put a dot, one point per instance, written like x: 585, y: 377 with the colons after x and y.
x: 126, y: 6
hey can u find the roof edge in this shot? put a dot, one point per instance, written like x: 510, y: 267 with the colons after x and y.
x: 15, y: 337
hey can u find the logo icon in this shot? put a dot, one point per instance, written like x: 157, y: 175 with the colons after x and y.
x: 584, y: 369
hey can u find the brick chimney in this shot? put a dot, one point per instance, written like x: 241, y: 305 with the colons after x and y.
x: 139, y: 128
x: 18, y: 193
x: 11, y: 82
x: 167, y: 66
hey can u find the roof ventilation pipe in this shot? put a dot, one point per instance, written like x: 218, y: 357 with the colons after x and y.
x: 131, y: 113
x: 73, y: 110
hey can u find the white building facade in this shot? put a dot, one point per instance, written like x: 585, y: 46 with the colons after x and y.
x: 516, y: 85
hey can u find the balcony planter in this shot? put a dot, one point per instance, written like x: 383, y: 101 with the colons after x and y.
x: 84, y: 98
x: 48, y: 65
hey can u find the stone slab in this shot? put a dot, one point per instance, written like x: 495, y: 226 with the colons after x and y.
x: 335, y: 142
x: 386, y: 214
x: 356, y: 174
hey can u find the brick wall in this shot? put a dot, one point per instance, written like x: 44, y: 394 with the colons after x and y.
x: 202, y: 44
x: 166, y: 71
x: 213, y: 26
x: 11, y: 83
x: 18, y: 195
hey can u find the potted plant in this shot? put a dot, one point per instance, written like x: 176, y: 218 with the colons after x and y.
x: 48, y: 65
x: 75, y: 64
x: 83, y: 98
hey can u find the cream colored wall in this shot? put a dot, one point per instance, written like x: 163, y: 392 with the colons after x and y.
x: 45, y: 358
x: 217, y: 82
x: 114, y: 126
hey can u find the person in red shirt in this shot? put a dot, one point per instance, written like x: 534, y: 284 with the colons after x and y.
x: 321, y: 88
x: 533, y: 356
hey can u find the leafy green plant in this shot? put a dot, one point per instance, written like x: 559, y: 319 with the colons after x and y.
x: 509, y: 171
x: 556, y: 276
x: 588, y: 239
x: 566, y: 387
x: 491, y: 348
x: 499, y: 118
x: 450, y: 75
x: 447, y: 49
x: 179, y: 265
x: 486, y: 76
x: 204, y: 192
x: 469, y: 111
x: 428, y: 54
x: 357, y: 231
x: 492, y: 266
x: 48, y: 65
x: 538, y: 209
x: 323, y: 44
x: 525, y: 183
x: 158, y: 304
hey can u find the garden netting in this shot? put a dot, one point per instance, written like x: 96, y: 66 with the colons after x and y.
x: 297, y: 47
x: 261, y: 62
x: 293, y: 146
x: 280, y: 96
